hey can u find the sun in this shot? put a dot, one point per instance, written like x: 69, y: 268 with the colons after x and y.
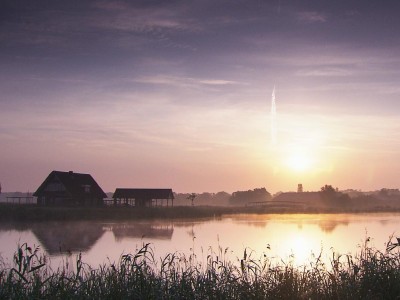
x: 299, y: 161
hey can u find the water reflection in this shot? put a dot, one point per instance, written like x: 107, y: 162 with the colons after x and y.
x: 67, y: 237
x: 293, y: 237
x: 329, y: 226
x: 142, y: 231
x: 327, y: 223
x: 17, y: 226
x: 259, y: 221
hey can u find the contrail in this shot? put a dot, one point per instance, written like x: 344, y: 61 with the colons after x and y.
x: 273, y: 118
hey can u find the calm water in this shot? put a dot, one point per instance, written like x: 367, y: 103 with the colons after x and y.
x: 286, y: 235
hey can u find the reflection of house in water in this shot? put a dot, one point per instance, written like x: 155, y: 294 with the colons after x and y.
x: 142, y: 230
x: 63, y: 237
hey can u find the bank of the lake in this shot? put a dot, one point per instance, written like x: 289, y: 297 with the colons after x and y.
x: 16, y: 213
x: 105, y: 213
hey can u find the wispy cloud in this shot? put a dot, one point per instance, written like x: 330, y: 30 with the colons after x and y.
x: 132, y: 22
x: 183, y: 81
x: 131, y: 17
x: 325, y: 72
x: 311, y: 17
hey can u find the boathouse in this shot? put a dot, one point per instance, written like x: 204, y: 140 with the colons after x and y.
x: 69, y: 188
x: 143, y: 197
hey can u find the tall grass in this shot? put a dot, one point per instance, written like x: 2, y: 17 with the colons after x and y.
x: 369, y: 274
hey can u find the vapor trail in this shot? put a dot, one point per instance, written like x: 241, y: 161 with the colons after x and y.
x: 273, y: 119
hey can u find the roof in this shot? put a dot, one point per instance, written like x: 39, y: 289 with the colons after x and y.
x: 74, y: 184
x: 143, y: 193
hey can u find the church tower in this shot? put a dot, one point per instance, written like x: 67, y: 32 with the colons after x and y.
x: 299, y: 188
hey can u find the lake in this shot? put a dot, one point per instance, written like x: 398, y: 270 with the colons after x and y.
x: 280, y: 236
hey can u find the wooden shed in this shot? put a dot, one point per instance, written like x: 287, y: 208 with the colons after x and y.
x: 143, y: 197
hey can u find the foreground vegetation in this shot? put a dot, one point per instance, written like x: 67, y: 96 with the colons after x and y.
x: 369, y: 274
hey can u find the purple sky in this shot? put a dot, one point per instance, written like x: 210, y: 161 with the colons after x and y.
x: 178, y: 93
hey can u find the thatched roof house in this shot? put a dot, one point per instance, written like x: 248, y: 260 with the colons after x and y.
x: 69, y: 188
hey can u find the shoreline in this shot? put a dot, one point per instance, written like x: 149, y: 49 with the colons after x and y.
x: 19, y: 213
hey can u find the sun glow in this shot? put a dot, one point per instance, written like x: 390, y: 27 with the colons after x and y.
x: 299, y: 161
x: 300, y: 245
x: 303, y: 151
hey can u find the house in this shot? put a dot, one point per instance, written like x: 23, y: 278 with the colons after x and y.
x: 143, y: 197
x: 69, y: 188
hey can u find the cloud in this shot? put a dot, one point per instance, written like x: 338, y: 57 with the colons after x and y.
x: 124, y: 17
x: 110, y: 23
x: 325, y: 72
x: 217, y: 82
x: 311, y: 17
x: 133, y: 23
x: 182, y: 81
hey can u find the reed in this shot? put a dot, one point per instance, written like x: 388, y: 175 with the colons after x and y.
x: 368, y: 274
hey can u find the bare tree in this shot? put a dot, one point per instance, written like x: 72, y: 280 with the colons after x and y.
x: 191, y: 197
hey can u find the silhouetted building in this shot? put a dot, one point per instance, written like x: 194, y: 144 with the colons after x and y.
x: 299, y: 188
x: 69, y: 188
x: 143, y: 197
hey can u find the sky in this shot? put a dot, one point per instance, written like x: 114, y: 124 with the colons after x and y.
x: 177, y: 94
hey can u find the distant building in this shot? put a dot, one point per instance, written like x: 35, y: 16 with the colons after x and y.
x: 69, y: 188
x: 299, y: 188
x: 143, y: 197
x: 293, y: 199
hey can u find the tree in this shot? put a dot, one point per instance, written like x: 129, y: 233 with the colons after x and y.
x: 191, y: 197
x: 244, y: 197
x: 333, y: 197
x: 328, y: 192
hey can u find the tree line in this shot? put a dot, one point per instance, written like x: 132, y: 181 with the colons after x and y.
x: 239, y: 198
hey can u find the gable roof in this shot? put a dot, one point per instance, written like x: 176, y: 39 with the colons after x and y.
x: 146, y: 194
x: 74, y: 184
